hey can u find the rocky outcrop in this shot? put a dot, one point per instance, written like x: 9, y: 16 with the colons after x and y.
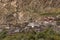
x: 21, y: 12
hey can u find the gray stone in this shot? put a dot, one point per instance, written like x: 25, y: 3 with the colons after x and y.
x: 33, y: 24
x: 1, y: 30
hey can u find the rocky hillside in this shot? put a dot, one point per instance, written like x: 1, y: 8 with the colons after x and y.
x: 29, y: 19
x: 19, y: 11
